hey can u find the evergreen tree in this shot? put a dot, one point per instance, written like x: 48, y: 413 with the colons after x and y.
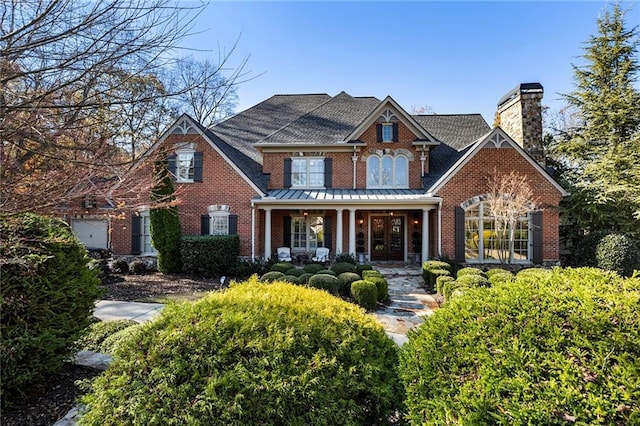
x: 603, y: 149
x: 164, y: 223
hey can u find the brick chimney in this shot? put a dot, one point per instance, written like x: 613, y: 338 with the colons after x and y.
x: 520, y: 116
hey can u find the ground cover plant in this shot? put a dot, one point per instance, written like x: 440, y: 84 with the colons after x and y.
x: 255, y: 353
x: 552, y: 347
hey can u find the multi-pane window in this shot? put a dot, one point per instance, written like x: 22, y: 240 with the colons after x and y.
x: 145, y: 225
x: 387, y: 172
x: 307, y: 172
x: 185, y: 166
x: 387, y: 132
x: 487, y: 242
x: 307, y: 233
x: 219, y: 224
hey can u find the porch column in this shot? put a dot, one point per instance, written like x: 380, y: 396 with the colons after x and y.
x: 339, y: 232
x: 267, y: 233
x: 425, y: 234
x: 352, y: 231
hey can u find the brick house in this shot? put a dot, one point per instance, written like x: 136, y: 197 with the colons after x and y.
x: 357, y: 175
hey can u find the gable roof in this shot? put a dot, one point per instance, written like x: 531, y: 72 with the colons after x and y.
x: 456, y: 130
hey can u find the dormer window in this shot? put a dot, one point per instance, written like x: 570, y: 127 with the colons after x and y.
x: 387, y: 132
x: 387, y: 127
x: 185, y: 163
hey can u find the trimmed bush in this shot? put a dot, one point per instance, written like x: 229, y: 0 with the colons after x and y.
x: 469, y: 271
x: 111, y: 342
x: 430, y: 265
x: 547, y: 349
x: 304, y: 278
x: 533, y: 273
x: 361, y: 268
x: 290, y: 279
x: 433, y: 275
x: 282, y: 267
x: 370, y: 273
x: 271, y: 276
x: 494, y: 271
x: 383, y: 287
x: 584, y: 252
x: 365, y: 293
x: 312, y: 268
x: 47, y: 297
x: 97, y: 332
x: 253, y: 354
x: 326, y: 272
x: 503, y: 277
x: 448, y: 288
x: 440, y: 281
x: 472, y: 280
x: 210, y: 255
x: 341, y: 267
x: 344, y: 280
x: 618, y: 253
x: 295, y: 272
x: 325, y: 282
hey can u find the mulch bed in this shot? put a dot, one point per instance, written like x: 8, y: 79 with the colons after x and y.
x: 45, y: 403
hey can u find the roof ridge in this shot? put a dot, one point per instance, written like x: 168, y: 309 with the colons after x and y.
x: 446, y: 115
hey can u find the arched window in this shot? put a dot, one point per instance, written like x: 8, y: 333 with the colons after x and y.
x: 486, y: 240
x: 387, y: 172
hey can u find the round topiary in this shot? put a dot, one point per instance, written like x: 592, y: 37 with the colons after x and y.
x: 472, y: 280
x: 312, y: 268
x: 253, y: 354
x: 271, y: 276
x: 555, y: 350
x: 383, y: 287
x: 290, y: 279
x: 304, y: 278
x: 619, y: 253
x: 282, y: 267
x: 370, y: 273
x: 326, y: 272
x: 440, y: 283
x: 295, y: 271
x: 435, y: 264
x: 325, y: 282
x: 344, y: 280
x: 469, y: 271
x: 341, y: 267
x: 365, y: 293
x: 361, y: 268
x: 47, y: 297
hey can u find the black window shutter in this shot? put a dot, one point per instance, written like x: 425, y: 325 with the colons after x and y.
x: 395, y: 132
x: 536, y: 222
x: 136, y: 234
x: 197, y: 166
x: 459, y: 234
x: 286, y: 233
x: 328, y: 172
x: 328, y: 240
x: 379, y: 132
x: 171, y: 165
x: 287, y: 173
x: 233, y: 224
x: 204, y: 224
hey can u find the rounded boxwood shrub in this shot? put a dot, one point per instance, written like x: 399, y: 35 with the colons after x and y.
x: 548, y: 349
x: 312, y: 268
x: 503, y: 277
x: 47, y: 297
x: 619, y: 253
x: 584, y: 252
x: 433, y: 275
x: 365, y: 293
x: 472, y: 280
x: 271, y: 276
x: 494, y: 271
x: 97, y: 333
x: 370, y: 273
x: 383, y: 287
x: 295, y: 271
x: 442, y: 279
x: 448, y: 288
x: 304, y: 278
x: 435, y: 264
x: 282, y: 267
x: 325, y: 282
x: 326, y: 272
x: 290, y: 279
x: 361, y: 268
x: 344, y: 280
x: 253, y: 354
x: 469, y: 271
x: 341, y: 267
x: 536, y: 273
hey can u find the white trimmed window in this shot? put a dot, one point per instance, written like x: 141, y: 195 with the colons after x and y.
x: 219, y: 219
x: 145, y: 231
x: 387, y: 132
x: 185, y: 162
x: 307, y: 173
x: 387, y: 172
x: 307, y: 233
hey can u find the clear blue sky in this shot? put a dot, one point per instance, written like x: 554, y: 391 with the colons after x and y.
x: 454, y: 57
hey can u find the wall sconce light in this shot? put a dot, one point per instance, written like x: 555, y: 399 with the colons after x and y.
x: 390, y: 213
x: 361, y: 221
x: 306, y: 213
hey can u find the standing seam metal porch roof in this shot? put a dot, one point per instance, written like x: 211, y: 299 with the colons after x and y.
x: 296, y: 195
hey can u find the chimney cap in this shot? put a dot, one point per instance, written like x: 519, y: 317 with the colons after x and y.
x: 520, y: 89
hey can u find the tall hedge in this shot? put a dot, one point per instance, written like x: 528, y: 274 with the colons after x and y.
x: 210, y: 255
x: 554, y: 348
x: 47, y: 296
x: 253, y: 354
x: 619, y: 253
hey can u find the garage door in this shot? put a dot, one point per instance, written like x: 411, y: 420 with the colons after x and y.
x: 92, y: 233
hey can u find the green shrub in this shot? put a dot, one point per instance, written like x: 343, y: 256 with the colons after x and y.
x: 271, y: 276
x: 619, y: 253
x: 365, y: 293
x: 458, y: 292
x: 138, y: 267
x: 47, y: 297
x: 472, y: 280
x: 469, y: 271
x: 503, y: 277
x: 120, y: 266
x: 494, y: 271
x: 326, y: 272
x: 295, y: 271
x: 584, y: 252
x: 383, y: 287
x: 99, y: 331
x: 312, y: 268
x: 371, y: 273
x: 440, y: 283
x: 210, y: 255
x: 346, y: 258
x: 111, y: 342
x: 430, y: 265
x: 244, y: 268
x: 290, y: 279
x: 282, y: 267
x: 344, y: 281
x: 448, y: 288
x: 341, y: 267
x: 361, y: 268
x: 433, y: 275
x: 304, y: 278
x: 533, y: 273
x: 325, y: 282
x: 253, y: 354
x: 546, y: 349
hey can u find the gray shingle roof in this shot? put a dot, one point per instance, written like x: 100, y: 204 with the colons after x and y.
x: 456, y: 130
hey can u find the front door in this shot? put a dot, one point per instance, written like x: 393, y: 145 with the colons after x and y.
x: 387, y: 238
